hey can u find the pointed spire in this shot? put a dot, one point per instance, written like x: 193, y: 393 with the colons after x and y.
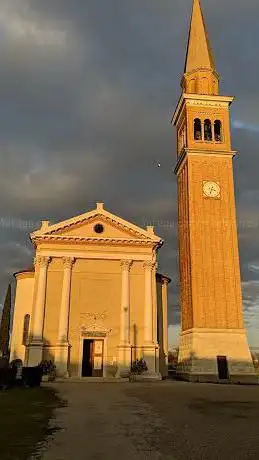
x: 200, y: 76
x: 199, y: 54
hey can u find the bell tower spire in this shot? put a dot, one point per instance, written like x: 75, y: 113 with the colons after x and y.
x: 200, y: 74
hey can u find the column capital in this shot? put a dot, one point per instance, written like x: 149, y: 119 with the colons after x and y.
x: 126, y: 264
x: 68, y: 261
x: 42, y: 261
x: 165, y: 281
x: 149, y: 265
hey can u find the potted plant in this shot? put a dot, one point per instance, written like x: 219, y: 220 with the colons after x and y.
x: 48, y: 371
x: 138, y: 367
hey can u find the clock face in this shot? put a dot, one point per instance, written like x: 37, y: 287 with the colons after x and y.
x: 211, y: 189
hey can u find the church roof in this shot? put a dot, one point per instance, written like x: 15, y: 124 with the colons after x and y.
x: 25, y: 270
x: 199, y: 53
x: 69, y: 230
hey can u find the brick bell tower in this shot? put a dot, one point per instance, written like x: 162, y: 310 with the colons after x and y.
x: 213, y: 341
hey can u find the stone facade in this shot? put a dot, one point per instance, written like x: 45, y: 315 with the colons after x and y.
x: 94, y: 279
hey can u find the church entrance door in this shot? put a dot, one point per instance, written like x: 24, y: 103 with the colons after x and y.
x: 92, y: 362
x: 87, y: 364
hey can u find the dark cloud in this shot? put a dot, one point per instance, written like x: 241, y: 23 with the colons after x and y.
x: 87, y: 90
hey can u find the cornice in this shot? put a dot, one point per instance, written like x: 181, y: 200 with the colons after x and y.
x: 94, y: 217
x: 95, y: 241
x: 200, y: 100
x: 185, y: 152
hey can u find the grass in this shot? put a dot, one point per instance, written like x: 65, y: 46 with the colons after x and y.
x: 24, y: 416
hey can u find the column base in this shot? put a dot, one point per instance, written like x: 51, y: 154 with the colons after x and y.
x: 150, y: 356
x: 146, y: 376
x: 34, y: 353
x: 61, y: 359
x: 200, y: 348
x: 124, y: 361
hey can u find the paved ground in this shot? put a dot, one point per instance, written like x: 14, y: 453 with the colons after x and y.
x: 161, y: 420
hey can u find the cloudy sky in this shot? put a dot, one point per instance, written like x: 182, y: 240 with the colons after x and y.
x: 87, y: 89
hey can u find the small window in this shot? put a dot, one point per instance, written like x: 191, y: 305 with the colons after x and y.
x: 217, y: 131
x: 197, y: 129
x: 99, y: 228
x: 207, y: 130
x: 26, y: 323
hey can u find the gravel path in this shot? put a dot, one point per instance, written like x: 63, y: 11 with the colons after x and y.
x: 102, y: 422
x: 160, y: 420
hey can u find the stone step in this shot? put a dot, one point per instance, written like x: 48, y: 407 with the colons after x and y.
x: 91, y: 380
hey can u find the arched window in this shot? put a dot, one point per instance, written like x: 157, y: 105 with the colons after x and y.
x: 207, y: 130
x: 217, y: 131
x: 215, y: 87
x: 197, y: 129
x: 192, y: 85
x: 204, y: 85
x: 26, y: 323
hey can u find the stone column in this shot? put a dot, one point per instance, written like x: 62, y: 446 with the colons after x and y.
x: 148, y: 307
x: 36, y: 344
x: 125, y: 303
x: 65, y: 300
x: 165, y: 283
x: 62, y: 350
x: 124, y: 348
x: 41, y: 297
x: 150, y: 347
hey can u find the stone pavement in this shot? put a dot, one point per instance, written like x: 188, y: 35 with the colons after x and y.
x: 158, y: 420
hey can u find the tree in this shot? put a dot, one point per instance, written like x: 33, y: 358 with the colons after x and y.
x: 5, y: 324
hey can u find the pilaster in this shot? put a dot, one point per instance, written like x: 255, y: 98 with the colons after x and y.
x: 35, y: 346
x: 62, y: 349
x: 124, y: 348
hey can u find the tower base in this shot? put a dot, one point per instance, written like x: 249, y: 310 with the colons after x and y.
x: 215, y: 355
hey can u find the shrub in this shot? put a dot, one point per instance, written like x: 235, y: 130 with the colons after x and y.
x: 7, y: 378
x: 31, y: 376
x: 49, y: 369
x: 139, y: 366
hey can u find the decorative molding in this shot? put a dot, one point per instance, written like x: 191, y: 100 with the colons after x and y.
x: 149, y: 265
x: 126, y: 264
x: 207, y: 103
x: 94, y: 328
x: 155, y: 265
x: 71, y: 223
x: 92, y: 240
x: 68, y: 262
x: 94, y: 316
x: 42, y: 261
x: 104, y: 218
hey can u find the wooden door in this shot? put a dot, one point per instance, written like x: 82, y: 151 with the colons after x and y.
x: 97, y: 358
x: 222, y: 367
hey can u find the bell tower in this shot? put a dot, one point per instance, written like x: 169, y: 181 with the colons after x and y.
x: 213, y: 341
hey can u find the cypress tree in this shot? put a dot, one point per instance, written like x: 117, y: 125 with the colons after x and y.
x: 5, y: 324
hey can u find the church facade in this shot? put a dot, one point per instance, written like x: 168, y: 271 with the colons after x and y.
x: 94, y: 302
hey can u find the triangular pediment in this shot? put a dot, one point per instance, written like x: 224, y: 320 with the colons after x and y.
x: 96, y: 224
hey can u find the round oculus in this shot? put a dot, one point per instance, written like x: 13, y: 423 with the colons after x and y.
x: 99, y: 228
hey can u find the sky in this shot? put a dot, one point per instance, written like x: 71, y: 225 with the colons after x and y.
x: 87, y: 90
